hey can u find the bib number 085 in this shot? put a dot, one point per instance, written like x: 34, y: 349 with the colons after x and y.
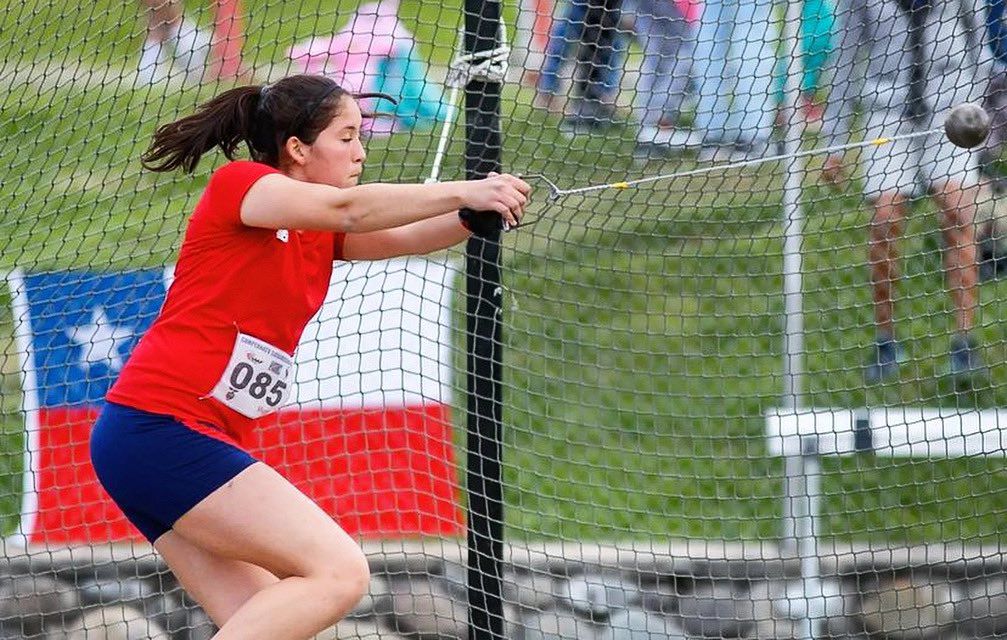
x: 256, y: 379
x: 263, y: 386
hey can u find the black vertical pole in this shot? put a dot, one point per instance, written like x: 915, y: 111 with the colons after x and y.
x: 483, y: 293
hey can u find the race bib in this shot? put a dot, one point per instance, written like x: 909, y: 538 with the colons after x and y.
x: 255, y: 381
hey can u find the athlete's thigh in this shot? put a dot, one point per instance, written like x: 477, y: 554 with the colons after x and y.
x: 261, y: 518
x: 219, y: 585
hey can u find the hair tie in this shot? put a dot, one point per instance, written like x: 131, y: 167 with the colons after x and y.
x: 305, y: 116
x: 260, y: 139
x: 260, y: 107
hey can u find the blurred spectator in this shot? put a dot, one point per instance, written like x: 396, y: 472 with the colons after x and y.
x: 665, y: 31
x: 534, y: 20
x: 734, y: 65
x: 816, y: 44
x: 921, y: 59
x: 173, y: 44
x: 591, y: 27
x: 991, y: 229
x: 376, y: 53
x: 995, y: 100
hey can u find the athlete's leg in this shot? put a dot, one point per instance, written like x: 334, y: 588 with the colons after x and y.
x: 220, y: 585
x: 260, y: 518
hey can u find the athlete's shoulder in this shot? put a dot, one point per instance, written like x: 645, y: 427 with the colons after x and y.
x: 241, y: 170
x: 227, y: 188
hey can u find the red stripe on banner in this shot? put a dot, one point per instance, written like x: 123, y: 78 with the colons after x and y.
x: 380, y: 473
x: 72, y: 505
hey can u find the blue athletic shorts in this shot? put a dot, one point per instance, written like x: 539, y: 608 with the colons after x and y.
x: 156, y: 468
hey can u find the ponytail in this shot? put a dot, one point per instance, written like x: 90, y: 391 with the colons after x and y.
x: 263, y: 117
x: 225, y: 121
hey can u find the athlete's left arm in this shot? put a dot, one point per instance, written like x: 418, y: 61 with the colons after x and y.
x: 417, y: 238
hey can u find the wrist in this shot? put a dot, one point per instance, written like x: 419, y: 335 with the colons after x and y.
x: 459, y: 193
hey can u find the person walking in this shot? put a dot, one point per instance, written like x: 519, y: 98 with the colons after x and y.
x: 922, y: 58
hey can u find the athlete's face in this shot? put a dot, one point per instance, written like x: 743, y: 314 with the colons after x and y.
x: 336, y: 157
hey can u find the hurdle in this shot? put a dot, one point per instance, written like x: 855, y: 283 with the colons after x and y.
x: 803, y: 436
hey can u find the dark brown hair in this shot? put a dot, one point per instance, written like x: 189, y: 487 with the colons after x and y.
x: 263, y: 117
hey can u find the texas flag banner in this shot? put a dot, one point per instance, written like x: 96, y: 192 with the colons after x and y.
x: 367, y: 433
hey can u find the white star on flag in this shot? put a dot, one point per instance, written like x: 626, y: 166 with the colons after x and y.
x: 100, y: 341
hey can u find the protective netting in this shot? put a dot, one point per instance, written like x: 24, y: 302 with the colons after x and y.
x: 759, y: 400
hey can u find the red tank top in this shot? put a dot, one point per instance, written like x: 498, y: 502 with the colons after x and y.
x: 229, y: 278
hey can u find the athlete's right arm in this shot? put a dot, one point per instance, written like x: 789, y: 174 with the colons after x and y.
x: 276, y: 201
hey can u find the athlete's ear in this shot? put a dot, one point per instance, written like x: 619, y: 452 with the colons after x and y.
x: 296, y: 150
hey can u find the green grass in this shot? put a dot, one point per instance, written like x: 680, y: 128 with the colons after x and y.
x: 108, y: 32
x: 643, y: 329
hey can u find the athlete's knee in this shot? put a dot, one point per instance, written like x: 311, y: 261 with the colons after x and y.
x: 344, y: 579
x: 355, y: 574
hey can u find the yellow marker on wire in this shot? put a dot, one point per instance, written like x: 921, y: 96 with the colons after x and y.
x: 556, y: 192
x: 966, y: 126
x: 966, y: 134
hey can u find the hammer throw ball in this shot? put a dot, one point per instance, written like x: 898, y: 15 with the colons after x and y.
x: 967, y: 125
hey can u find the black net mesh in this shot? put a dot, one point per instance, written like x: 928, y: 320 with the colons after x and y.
x: 752, y: 350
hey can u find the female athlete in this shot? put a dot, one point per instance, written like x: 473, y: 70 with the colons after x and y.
x: 262, y: 559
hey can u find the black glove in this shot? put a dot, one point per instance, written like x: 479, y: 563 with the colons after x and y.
x: 482, y: 223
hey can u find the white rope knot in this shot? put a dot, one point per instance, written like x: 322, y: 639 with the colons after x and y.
x: 489, y: 66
